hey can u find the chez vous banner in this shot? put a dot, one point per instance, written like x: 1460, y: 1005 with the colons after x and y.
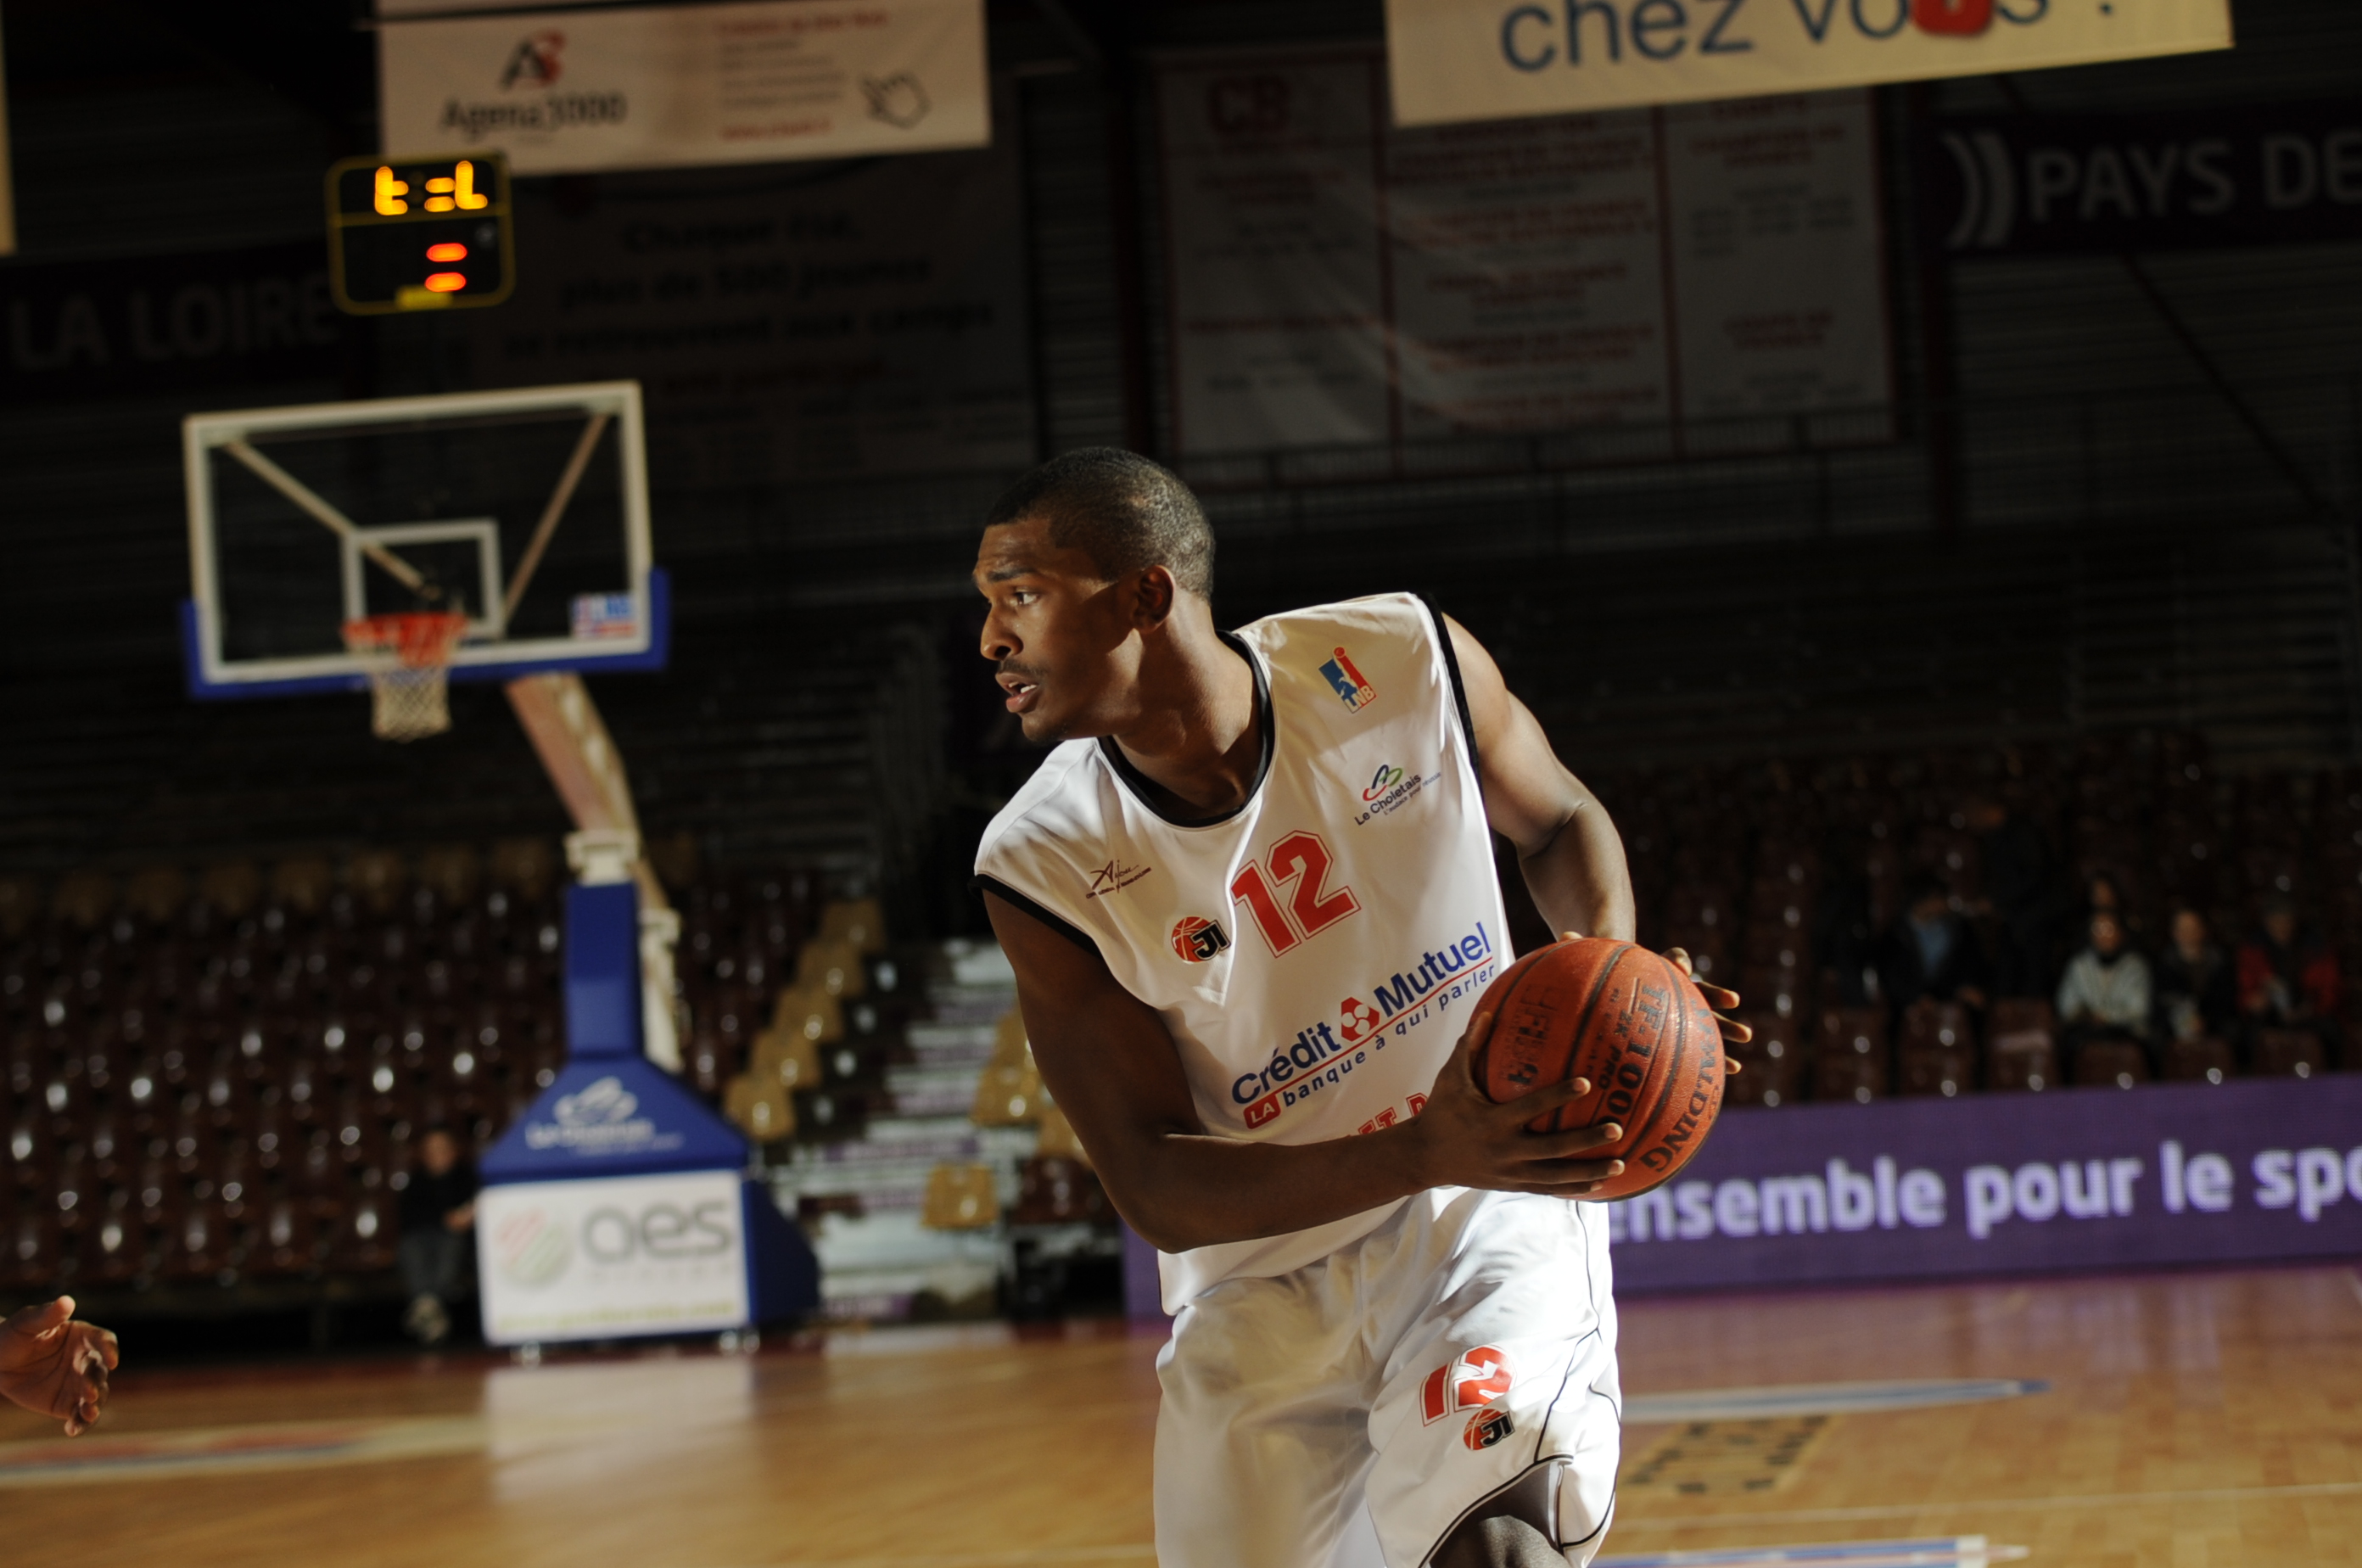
x: 2077, y: 1179
x: 1455, y: 59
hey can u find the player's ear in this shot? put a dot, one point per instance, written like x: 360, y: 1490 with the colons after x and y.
x: 1153, y: 595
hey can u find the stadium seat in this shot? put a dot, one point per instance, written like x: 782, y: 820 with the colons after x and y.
x: 1938, y: 1052
x: 1052, y: 1190
x: 2106, y: 1060
x: 2203, y: 1060
x: 1772, y: 1063
x: 960, y: 1197
x: 833, y: 967
x: 2021, y: 1046
x: 2288, y: 1053
x: 1858, y: 1079
x: 758, y: 1104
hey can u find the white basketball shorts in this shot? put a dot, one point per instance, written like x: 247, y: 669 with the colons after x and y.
x: 1352, y: 1413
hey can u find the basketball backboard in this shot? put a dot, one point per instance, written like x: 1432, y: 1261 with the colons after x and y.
x: 525, y: 510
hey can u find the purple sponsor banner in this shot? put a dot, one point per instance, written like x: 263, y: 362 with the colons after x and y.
x: 2094, y: 1179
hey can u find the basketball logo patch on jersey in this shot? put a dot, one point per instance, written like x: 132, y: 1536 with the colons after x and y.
x: 1197, y: 939
x: 1474, y: 1378
x: 1352, y: 689
x: 1486, y: 1428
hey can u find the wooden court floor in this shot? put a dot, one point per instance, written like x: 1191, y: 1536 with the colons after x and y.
x: 2189, y: 1421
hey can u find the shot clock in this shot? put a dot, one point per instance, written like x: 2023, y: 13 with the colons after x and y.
x: 419, y: 234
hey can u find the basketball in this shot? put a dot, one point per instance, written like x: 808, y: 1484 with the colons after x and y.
x: 1629, y: 1021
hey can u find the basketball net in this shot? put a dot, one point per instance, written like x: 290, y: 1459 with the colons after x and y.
x: 408, y: 660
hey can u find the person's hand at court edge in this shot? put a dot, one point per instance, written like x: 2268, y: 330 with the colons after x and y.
x: 54, y: 1365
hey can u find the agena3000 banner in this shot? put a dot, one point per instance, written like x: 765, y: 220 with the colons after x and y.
x: 640, y: 87
x: 1487, y: 59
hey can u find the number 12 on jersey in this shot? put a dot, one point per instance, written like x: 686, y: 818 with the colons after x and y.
x: 1301, y: 859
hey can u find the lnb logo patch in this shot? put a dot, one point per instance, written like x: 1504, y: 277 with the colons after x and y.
x: 1350, y: 687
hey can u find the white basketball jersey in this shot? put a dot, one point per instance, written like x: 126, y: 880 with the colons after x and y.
x: 1314, y: 951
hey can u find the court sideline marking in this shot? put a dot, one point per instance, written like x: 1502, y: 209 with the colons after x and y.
x: 1949, y: 1552
x: 1822, y: 1398
x: 1907, y: 1511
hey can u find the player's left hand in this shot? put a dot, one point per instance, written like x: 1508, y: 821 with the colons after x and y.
x: 51, y: 1365
x: 1720, y: 1000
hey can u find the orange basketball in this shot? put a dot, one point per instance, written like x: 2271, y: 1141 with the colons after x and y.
x: 1627, y: 1021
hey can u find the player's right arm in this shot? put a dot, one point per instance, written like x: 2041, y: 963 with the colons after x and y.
x: 1111, y: 1065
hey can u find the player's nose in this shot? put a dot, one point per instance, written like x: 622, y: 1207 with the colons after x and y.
x: 995, y: 644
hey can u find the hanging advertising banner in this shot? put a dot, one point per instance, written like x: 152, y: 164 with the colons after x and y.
x: 139, y: 324
x: 864, y: 316
x: 2165, y: 1175
x: 2025, y: 185
x: 1489, y: 59
x: 1336, y: 282
x: 570, y: 92
x: 607, y: 1258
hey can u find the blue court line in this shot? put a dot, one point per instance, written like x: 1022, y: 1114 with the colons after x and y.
x: 1954, y: 1552
x: 1822, y: 1398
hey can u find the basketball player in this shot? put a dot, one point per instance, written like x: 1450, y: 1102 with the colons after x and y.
x: 1250, y: 902
x: 54, y: 1366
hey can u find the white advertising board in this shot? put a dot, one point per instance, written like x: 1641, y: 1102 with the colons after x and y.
x: 1486, y: 59
x: 1339, y: 283
x: 563, y: 92
x: 611, y: 1257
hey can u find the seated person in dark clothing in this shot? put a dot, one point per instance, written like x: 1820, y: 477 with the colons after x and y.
x: 2288, y: 978
x: 1931, y: 952
x: 438, y: 1221
x: 2105, y: 993
x: 2021, y: 894
x: 2194, y: 996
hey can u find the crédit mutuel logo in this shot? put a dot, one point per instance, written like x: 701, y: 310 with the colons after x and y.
x: 1321, y: 1056
x: 527, y: 77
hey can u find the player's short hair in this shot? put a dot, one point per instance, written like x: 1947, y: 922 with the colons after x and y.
x: 1120, y: 509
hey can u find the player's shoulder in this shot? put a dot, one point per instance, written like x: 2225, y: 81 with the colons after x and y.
x: 1390, y: 617
x: 1355, y: 646
x: 1045, y: 807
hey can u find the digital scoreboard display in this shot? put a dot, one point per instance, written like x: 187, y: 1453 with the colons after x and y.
x: 419, y: 234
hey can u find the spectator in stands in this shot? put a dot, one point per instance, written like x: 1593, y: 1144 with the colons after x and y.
x: 1931, y: 952
x: 2194, y: 995
x: 2105, y: 993
x: 2288, y: 978
x: 2022, y: 895
x: 2105, y: 890
x: 439, y: 1217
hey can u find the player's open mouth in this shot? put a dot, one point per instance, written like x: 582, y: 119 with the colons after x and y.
x: 1021, y: 694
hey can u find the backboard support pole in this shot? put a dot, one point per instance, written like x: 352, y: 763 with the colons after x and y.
x: 580, y: 755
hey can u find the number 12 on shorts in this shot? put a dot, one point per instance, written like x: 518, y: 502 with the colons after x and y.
x: 1301, y: 858
x: 1475, y: 1378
